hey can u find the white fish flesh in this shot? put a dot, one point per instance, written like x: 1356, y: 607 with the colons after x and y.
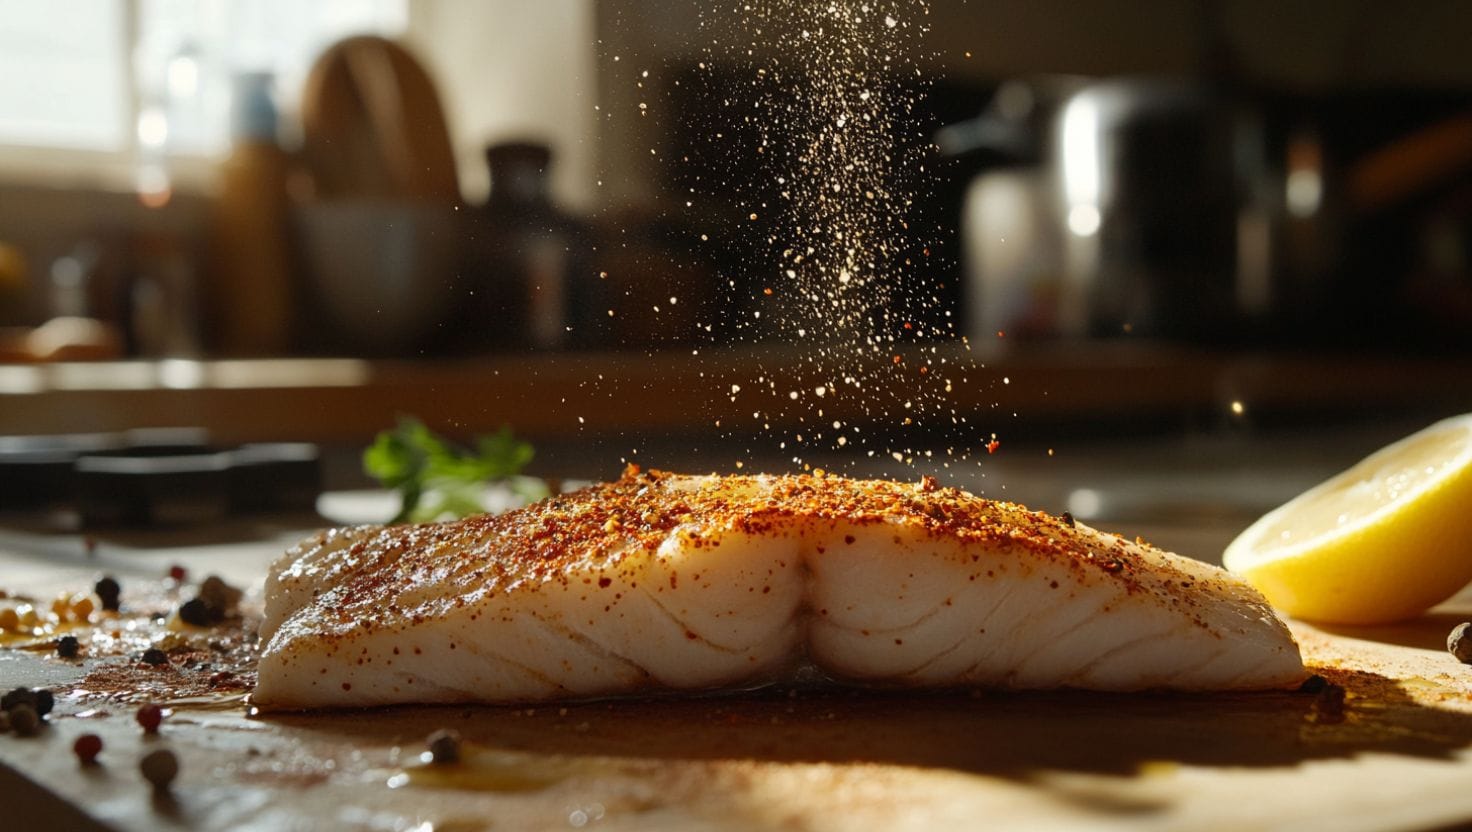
x: 661, y: 581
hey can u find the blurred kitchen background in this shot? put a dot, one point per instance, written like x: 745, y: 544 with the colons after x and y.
x: 1228, y: 225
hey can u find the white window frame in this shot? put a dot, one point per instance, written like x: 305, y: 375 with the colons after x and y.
x: 68, y: 167
x: 113, y: 170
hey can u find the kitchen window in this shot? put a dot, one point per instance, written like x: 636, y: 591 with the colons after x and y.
x: 107, y: 91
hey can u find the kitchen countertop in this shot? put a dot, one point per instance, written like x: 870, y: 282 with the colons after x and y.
x: 581, y: 395
x: 789, y: 759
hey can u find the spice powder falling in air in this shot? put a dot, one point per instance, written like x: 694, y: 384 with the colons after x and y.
x: 835, y: 88
x: 809, y: 156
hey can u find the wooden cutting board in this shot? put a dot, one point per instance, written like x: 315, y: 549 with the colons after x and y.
x: 373, y: 126
x: 1401, y: 757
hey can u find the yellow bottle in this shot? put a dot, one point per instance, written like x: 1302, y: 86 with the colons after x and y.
x: 249, y: 287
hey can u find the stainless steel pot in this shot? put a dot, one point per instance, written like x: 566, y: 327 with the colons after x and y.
x: 1145, y: 214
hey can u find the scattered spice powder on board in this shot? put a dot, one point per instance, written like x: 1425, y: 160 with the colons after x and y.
x: 1329, y: 706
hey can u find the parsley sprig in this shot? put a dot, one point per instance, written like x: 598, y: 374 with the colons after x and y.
x: 437, y: 479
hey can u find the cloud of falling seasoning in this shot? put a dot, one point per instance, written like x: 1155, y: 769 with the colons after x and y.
x: 841, y: 223
x: 840, y: 153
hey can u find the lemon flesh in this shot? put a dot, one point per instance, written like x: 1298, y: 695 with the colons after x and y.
x: 1383, y: 541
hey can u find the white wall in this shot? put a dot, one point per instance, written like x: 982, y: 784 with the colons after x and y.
x: 514, y: 70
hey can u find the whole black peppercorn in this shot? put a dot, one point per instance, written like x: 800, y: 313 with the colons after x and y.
x: 159, y: 768
x: 1313, y: 684
x: 444, y: 747
x: 67, y: 647
x: 218, y: 594
x: 24, y: 720
x: 155, y: 656
x: 18, y: 696
x: 44, y: 701
x: 1067, y: 518
x: 108, y: 591
x: 197, y: 613
x: 1459, y: 642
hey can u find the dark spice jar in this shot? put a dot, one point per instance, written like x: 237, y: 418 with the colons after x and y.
x: 527, y: 280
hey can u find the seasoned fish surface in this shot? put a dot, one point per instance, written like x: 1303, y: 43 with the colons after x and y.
x: 663, y: 581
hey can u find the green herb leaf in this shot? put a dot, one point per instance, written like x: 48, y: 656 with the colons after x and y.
x: 436, y: 478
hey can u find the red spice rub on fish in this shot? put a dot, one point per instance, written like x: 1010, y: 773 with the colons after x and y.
x: 664, y: 580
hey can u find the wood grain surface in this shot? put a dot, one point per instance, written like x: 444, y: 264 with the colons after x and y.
x: 1400, y: 756
x: 552, y: 395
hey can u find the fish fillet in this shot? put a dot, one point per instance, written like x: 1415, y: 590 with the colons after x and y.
x: 660, y: 581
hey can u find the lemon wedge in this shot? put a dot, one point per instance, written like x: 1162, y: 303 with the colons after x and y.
x: 1383, y: 541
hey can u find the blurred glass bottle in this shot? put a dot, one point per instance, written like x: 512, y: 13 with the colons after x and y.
x: 157, y: 297
x: 250, y: 296
x: 527, y: 262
